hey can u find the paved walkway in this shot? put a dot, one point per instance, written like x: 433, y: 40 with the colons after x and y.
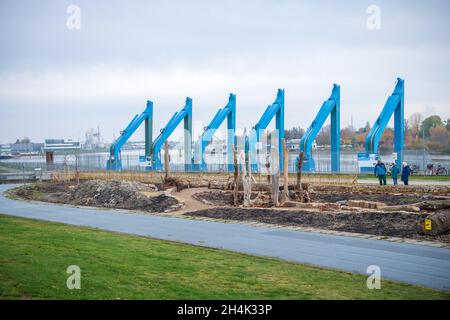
x: 415, y: 264
x: 411, y: 182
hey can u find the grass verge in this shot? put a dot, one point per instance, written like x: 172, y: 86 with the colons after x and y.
x: 34, y: 256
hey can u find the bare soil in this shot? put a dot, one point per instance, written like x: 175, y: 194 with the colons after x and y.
x: 394, y: 223
x: 341, y: 194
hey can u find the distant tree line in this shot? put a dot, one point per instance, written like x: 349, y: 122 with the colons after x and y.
x: 24, y: 140
x: 294, y: 133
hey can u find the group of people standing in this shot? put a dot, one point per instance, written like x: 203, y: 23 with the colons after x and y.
x: 381, y: 172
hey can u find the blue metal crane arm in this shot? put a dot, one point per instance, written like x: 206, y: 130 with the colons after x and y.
x: 214, y: 122
x: 394, y: 104
x: 381, y: 123
x: 122, y: 139
x: 218, y: 119
x: 327, y: 107
x: 276, y: 109
x: 314, y: 129
x: 171, y: 126
x: 130, y: 129
x: 267, y: 116
x: 261, y: 125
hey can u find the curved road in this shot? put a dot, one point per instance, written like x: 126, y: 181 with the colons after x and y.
x: 415, y: 264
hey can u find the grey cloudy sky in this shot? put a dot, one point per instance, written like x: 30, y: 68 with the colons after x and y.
x: 56, y: 82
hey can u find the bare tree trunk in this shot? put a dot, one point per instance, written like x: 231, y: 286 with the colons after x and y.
x: 275, y: 176
x: 285, y: 172
x: 275, y: 189
x: 246, y: 182
x: 299, y: 176
x: 66, y: 171
x: 268, y: 168
x: 77, y: 169
x: 236, y: 176
x: 166, y: 160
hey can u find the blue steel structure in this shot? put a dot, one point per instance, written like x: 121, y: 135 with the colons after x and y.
x: 330, y: 107
x: 276, y: 109
x: 394, y: 105
x: 184, y: 114
x: 115, y: 162
x: 228, y: 112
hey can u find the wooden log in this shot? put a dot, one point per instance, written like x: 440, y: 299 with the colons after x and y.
x: 435, y: 224
x: 402, y: 207
x: 313, y: 205
x: 434, y: 205
x: 366, y: 204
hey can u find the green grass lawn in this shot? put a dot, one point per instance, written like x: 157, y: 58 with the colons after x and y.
x: 34, y: 257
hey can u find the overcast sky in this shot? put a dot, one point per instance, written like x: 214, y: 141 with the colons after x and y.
x: 58, y: 82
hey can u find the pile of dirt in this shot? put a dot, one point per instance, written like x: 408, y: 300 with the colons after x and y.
x: 102, y: 193
x: 38, y: 191
x: 395, y: 224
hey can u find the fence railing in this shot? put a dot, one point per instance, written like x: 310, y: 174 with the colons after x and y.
x: 417, y: 159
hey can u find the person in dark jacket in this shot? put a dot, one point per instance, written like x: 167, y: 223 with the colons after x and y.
x: 406, y: 172
x: 394, y: 172
x: 380, y: 172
